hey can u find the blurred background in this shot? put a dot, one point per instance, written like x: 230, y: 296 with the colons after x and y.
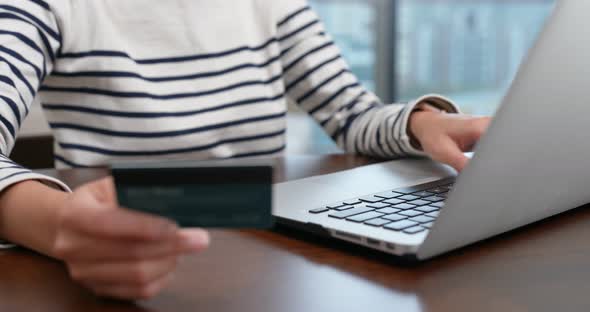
x: 468, y: 50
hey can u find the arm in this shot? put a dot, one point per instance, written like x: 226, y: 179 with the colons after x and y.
x: 112, y: 251
x: 29, y: 41
x: 17, y: 204
x: 319, y: 81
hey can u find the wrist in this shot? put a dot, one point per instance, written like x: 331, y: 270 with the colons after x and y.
x: 31, y: 205
x: 418, y: 123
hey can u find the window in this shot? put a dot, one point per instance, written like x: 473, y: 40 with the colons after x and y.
x: 351, y: 23
x: 467, y: 50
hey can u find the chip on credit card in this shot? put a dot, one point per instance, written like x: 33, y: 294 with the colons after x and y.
x: 208, y: 196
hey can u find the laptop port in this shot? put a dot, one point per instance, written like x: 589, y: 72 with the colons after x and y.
x: 347, y: 236
x: 390, y: 247
x: 373, y: 242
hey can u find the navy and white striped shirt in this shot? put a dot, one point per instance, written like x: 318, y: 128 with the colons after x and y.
x: 181, y: 79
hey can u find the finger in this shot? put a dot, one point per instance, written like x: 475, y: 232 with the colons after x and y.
x: 94, y: 210
x: 479, y: 126
x: 120, y: 224
x: 445, y: 150
x: 84, y: 248
x: 126, y: 292
x: 131, y: 273
x: 469, y: 132
x: 197, y: 239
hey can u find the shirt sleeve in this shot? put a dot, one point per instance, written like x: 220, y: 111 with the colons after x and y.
x: 319, y: 81
x: 29, y: 42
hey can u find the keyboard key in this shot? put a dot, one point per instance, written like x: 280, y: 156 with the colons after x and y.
x: 423, y: 194
x: 404, y: 206
x: 365, y: 216
x: 378, y: 205
x: 418, y: 202
x: 388, y: 195
x: 422, y: 219
x: 364, y: 206
x: 371, y: 199
x: 352, y: 202
x: 434, y: 198
x: 408, y: 197
x: 400, y: 225
x: 377, y: 222
x: 394, y: 217
x: 433, y: 214
x: 335, y: 205
x: 343, y: 208
x: 427, y: 208
x: 388, y: 210
x: 350, y: 212
x: 428, y: 225
x: 438, y: 204
x: 414, y: 230
x: 394, y: 201
x: 411, y: 213
x: 319, y: 210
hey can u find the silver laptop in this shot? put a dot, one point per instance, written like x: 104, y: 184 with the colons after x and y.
x: 534, y: 162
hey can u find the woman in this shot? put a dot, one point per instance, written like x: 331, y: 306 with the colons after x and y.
x: 176, y: 79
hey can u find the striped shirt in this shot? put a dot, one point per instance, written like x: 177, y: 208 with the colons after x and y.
x: 181, y: 79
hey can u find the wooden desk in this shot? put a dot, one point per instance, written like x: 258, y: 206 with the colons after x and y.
x: 544, y: 267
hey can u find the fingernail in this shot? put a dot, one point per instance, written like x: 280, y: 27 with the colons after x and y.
x: 195, y: 239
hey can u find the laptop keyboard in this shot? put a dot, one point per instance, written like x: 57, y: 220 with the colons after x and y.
x: 410, y: 210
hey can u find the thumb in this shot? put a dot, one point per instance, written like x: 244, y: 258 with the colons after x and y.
x: 103, y: 191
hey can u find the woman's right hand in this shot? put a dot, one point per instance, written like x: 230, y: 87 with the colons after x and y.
x: 116, y: 252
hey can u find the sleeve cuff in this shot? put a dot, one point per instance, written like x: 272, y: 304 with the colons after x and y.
x: 435, y: 100
x: 21, y: 176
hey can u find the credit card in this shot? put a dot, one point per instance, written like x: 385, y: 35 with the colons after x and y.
x: 193, y: 195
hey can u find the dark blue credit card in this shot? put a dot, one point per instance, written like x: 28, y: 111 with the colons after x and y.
x: 199, y: 196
